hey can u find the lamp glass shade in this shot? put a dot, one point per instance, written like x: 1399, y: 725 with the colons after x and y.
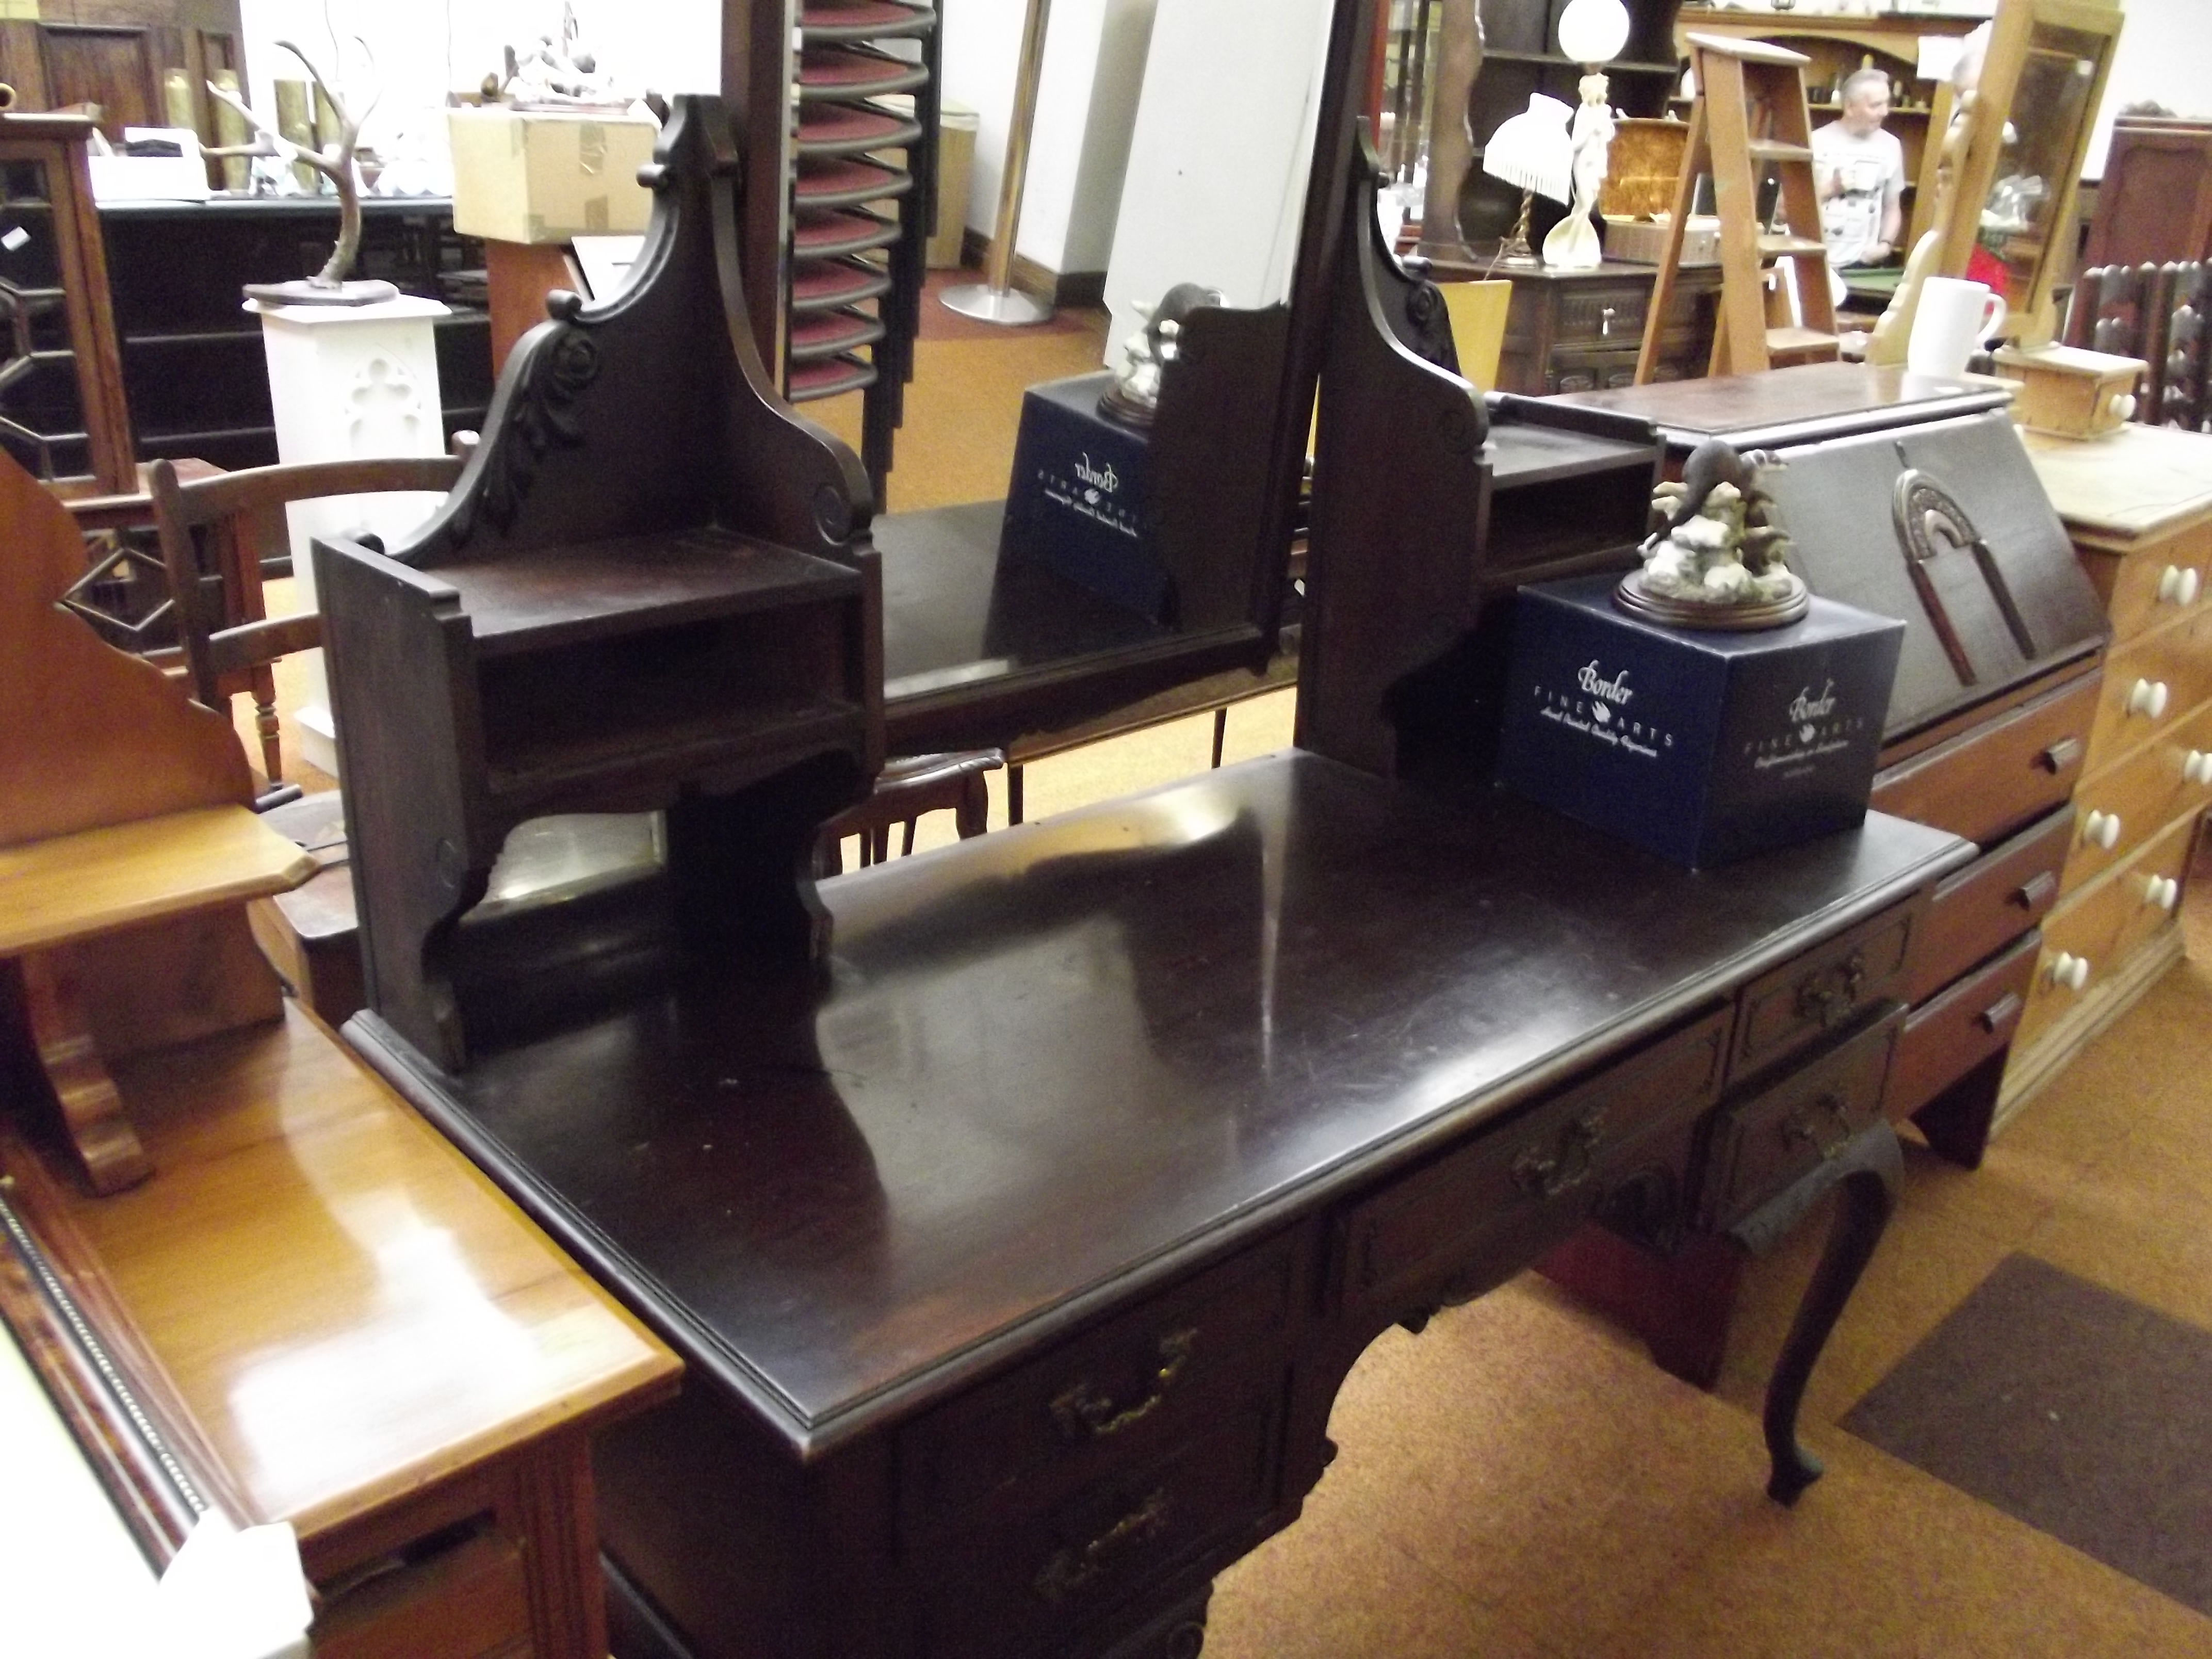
x: 1533, y: 150
x: 1593, y: 31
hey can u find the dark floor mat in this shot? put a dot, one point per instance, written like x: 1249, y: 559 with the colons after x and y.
x: 2084, y: 1414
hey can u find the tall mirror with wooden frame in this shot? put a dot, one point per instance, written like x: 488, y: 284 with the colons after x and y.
x: 1046, y: 562
x: 2011, y: 164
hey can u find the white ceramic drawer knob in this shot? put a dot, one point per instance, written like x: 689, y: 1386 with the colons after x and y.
x: 2178, y: 585
x: 2148, y: 697
x: 2070, y: 972
x: 2197, y: 768
x: 2102, y: 830
x: 2163, y: 891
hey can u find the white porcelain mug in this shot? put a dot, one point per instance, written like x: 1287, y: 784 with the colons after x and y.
x: 1953, y: 317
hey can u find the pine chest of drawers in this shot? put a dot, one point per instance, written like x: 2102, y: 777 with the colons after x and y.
x: 2138, y: 505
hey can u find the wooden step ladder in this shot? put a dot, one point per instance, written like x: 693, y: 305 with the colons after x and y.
x: 1749, y: 116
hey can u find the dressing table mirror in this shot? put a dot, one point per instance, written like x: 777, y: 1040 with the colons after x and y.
x: 1159, y: 172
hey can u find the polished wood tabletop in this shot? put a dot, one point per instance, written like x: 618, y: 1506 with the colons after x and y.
x: 346, y: 1307
x: 1047, y: 1066
x: 93, y: 882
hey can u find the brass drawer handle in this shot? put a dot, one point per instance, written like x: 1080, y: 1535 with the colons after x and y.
x: 1072, y: 1570
x: 2061, y: 755
x: 1804, y: 1125
x: 1082, y: 1410
x: 1541, y: 1175
x: 2039, y: 888
x: 1829, y: 995
x: 1999, y: 1013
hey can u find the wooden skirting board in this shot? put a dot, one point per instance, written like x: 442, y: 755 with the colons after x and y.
x: 2029, y: 1073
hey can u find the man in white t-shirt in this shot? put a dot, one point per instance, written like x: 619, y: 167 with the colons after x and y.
x: 1860, y: 170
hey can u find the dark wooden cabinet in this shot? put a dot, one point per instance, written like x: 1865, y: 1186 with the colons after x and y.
x: 193, y: 365
x: 62, y: 406
x: 1521, y: 56
x: 1578, y: 331
x: 142, y: 62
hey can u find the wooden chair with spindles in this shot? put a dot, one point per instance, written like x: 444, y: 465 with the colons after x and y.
x: 216, y: 532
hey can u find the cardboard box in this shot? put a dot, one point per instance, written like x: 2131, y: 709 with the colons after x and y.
x: 1077, y: 502
x: 1701, y: 746
x: 532, y: 176
x: 1643, y: 241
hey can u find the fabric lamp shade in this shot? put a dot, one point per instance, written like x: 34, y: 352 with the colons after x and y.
x: 1532, y: 150
x: 1593, y: 31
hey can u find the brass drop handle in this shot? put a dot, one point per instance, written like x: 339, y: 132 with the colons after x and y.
x: 1605, y: 322
x: 1082, y: 1410
x: 1072, y: 1570
x: 2061, y: 754
x: 2038, y: 889
x: 1827, y: 996
x: 2000, y: 1013
x: 1804, y: 1125
x: 1543, y: 1174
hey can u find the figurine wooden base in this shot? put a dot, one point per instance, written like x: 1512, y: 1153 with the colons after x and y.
x: 1638, y: 597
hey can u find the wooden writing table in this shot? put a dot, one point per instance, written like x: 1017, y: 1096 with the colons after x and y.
x: 1019, y: 1260
x: 375, y: 1346
x: 72, y: 890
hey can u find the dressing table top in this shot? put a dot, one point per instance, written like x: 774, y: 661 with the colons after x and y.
x: 1053, y: 1065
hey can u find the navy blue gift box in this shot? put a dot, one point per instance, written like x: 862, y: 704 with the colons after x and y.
x: 1701, y: 746
x: 1077, y: 502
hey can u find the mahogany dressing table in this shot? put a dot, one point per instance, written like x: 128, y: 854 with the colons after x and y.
x: 1018, y: 1210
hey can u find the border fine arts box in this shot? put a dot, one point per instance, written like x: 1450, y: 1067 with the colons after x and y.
x: 1079, y: 501
x: 1702, y: 746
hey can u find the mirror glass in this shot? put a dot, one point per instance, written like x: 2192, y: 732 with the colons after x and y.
x: 1023, y: 527
x: 2050, y: 110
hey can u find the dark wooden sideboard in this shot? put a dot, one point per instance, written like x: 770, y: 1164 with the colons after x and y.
x: 1019, y: 1256
x: 192, y: 360
x: 1578, y: 331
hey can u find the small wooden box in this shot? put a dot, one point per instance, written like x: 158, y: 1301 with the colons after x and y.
x: 2070, y: 392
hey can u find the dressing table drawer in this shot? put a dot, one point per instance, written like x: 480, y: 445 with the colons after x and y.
x: 1759, y: 1146
x: 1826, y: 990
x: 1140, y: 1380
x: 1992, y: 901
x: 1996, y: 777
x: 1544, y: 1172
x: 1024, y: 1582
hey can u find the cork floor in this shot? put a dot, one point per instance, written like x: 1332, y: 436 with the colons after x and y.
x: 1521, y: 1482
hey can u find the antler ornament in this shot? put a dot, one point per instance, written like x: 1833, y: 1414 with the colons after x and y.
x: 329, y: 285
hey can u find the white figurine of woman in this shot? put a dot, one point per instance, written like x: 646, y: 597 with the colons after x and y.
x: 1572, y: 244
